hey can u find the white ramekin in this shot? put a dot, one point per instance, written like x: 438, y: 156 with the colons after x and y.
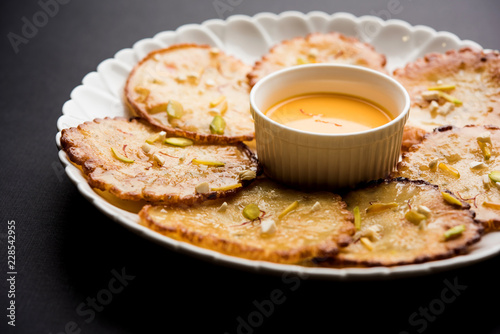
x: 328, y: 161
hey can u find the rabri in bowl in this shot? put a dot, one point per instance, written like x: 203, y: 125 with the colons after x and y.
x: 327, y: 125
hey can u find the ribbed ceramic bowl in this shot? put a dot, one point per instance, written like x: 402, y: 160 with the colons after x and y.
x: 316, y: 160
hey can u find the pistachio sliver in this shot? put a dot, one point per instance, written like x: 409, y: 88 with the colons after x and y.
x: 450, y: 98
x: 442, y: 87
x: 208, y: 163
x: 449, y: 198
x: 179, y: 141
x: 175, y: 109
x: 228, y: 187
x: 290, y: 208
x: 491, y: 205
x: 414, y: 217
x: 218, y: 125
x: 377, y: 207
x: 357, y: 218
x: 454, y: 232
x: 157, y: 136
x: 153, y: 138
x: 251, y: 211
x: 120, y: 156
x: 485, y: 149
x: 447, y: 168
x: 494, y: 176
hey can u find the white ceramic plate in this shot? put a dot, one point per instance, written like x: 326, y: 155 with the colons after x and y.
x: 248, y: 38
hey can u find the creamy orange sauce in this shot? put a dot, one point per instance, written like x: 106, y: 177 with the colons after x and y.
x: 328, y: 113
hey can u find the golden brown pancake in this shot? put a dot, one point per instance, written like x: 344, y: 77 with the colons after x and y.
x: 204, y: 81
x: 317, y: 48
x: 317, y: 226
x: 473, y: 77
x: 154, y: 171
x: 389, y: 236
x: 459, y: 149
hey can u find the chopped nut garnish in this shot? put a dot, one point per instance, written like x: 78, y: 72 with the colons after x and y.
x: 450, y: 98
x: 486, y: 181
x: 494, y: 176
x: 159, y: 160
x: 484, y: 137
x: 485, y: 149
x: 229, y: 187
x: 477, y: 165
x: 175, y: 109
x: 433, y: 164
x: 357, y: 218
x: 202, y: 188
x: 450, y: 170
x: 268, y: 226
x: 146, y: 148
x: 208, y: 163
x: 217, y: 101
x: 446, y: 108
x: 315, y: 207
x: 495, y: 206
x: 153, y: 138
x: 377, y: 207
x: 430, y: 95
x: 454, y: 232
x: 210, y: 83
x: 179, y: 141
x: 251, y: 211
x: 367, y: 243
x: 414, y: 217
x: 223, y: 207
x: 218, y: 125
x: 434, y: 106
x: 451, y: 199
x: 214, y: 51
x: 373, y: 232
x: 442, y: 87
x: 120, y: 156
x: 247, y: 175
x: 290, y: 208
x: 422, y: 209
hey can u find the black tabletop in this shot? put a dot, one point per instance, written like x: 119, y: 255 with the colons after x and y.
x: 76, y: 271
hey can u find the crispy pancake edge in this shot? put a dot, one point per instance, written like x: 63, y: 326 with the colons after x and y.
x: 82, y: 158
x: 492, y: 225
x: 253, y: 78
x: 438, y: 62
x: 197, y: 137
x: 458, y: 250
x: 327, y: 248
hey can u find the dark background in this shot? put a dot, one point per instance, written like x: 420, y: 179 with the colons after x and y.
x: 66, y: 248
